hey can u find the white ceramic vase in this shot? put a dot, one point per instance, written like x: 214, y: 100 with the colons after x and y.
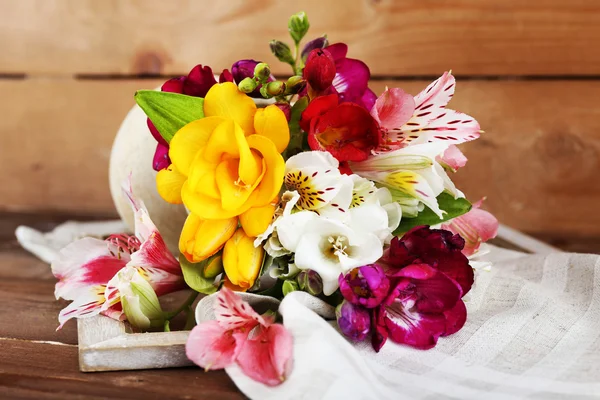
x: 132, y: 153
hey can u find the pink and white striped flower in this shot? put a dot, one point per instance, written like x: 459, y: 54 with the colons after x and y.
x: 85, y: 268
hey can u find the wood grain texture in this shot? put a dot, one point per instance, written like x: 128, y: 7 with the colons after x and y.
x: 394, y: 37
x: 36, y: 362
x: 537, y: 161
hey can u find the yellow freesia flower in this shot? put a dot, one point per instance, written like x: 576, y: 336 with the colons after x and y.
x: 225, y: 165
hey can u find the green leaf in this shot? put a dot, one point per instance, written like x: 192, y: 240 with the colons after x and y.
x: 169, y: 112
x: 193, y: 276
x: 453, y: 207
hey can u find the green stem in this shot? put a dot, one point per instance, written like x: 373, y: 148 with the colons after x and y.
x: 188, y: 303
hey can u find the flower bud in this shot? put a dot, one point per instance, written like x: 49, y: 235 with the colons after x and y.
x: 354, y: 321
x: 243, y: 69
x: 294, y: 84
x: 318, y: 43
x: 241, y: 260
x: 275, y: 88
x: 282, y: 51
x: 202, y: 238
x: 298, y: 26
x: 139, y: 301
x: 366, y: 286
x: 247, y: 85
x: 289, y: 286
x: 262, y: 72
x: 212, y: 266
x: 320, y: 69
x: 310, y: 281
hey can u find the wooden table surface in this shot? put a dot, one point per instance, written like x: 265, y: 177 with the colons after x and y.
x: 38, y: 362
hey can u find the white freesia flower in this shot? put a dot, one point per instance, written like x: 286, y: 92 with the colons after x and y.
x: 329, y: 247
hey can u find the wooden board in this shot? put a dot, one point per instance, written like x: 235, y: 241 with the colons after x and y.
x: 537, y: 161
x: 402, y: 37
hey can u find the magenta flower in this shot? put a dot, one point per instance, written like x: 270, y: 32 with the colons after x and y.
x: 196, y: 83
x: 427, y: 276
x: 476, y: 227
x: 354, y: 321
x: 351, y: 77
x: 261, y: 348
x: 366, y: 286
x: 245, y: 69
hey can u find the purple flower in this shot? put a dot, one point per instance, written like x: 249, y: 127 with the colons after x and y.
x: 366, y: 286
x: 197, y: 83
x: 245, y: 69
x: 354, y: 321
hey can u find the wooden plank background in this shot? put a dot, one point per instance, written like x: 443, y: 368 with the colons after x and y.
x: 528, y: 71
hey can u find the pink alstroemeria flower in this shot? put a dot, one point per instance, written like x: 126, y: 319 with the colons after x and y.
x: 261, y: 348
x: 476, y: 227
x: 424, y: 118
x: 86, y: 267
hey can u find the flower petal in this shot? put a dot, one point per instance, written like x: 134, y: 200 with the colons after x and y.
x: 272, y: 123
x: 201, y: 238
x: 85, y: 263
x: 476, y: 227
x: 455, y: 318
x: 409, y: 327
x: 273, y: 169
x: 234, y: 313
x: 189, y: 140
x: 256, y: 220
x: 225, y: 100
x: 453, y: 158
x: 169, y: 182
x: 393, y: 108
x: 211, y: 346
x: 87, y: 302
x: 241, y: 260
x: 268, y: 357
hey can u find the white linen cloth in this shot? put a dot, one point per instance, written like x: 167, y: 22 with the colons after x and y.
x: 532, y: 332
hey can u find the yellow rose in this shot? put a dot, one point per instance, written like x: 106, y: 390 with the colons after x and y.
x: 224, y: 166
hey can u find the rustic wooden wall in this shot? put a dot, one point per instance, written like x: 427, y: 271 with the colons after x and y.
x: 529, y: 71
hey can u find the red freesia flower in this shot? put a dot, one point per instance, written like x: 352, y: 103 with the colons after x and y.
x: 346, y: 130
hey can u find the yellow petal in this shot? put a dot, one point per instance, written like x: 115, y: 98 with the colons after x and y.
x: 256, y: 220
x: 228, y: 141
x: 202, y: 177
x: 169, y: 183
x: 241, y: 260
x: 202, y: 238
x: 208, y: 207
x: 189, y: 140
x: 271, y: 123
x: 225, y: 100
x: 271, y: 182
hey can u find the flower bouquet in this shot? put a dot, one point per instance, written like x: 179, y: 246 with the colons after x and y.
x: 308, y: 184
